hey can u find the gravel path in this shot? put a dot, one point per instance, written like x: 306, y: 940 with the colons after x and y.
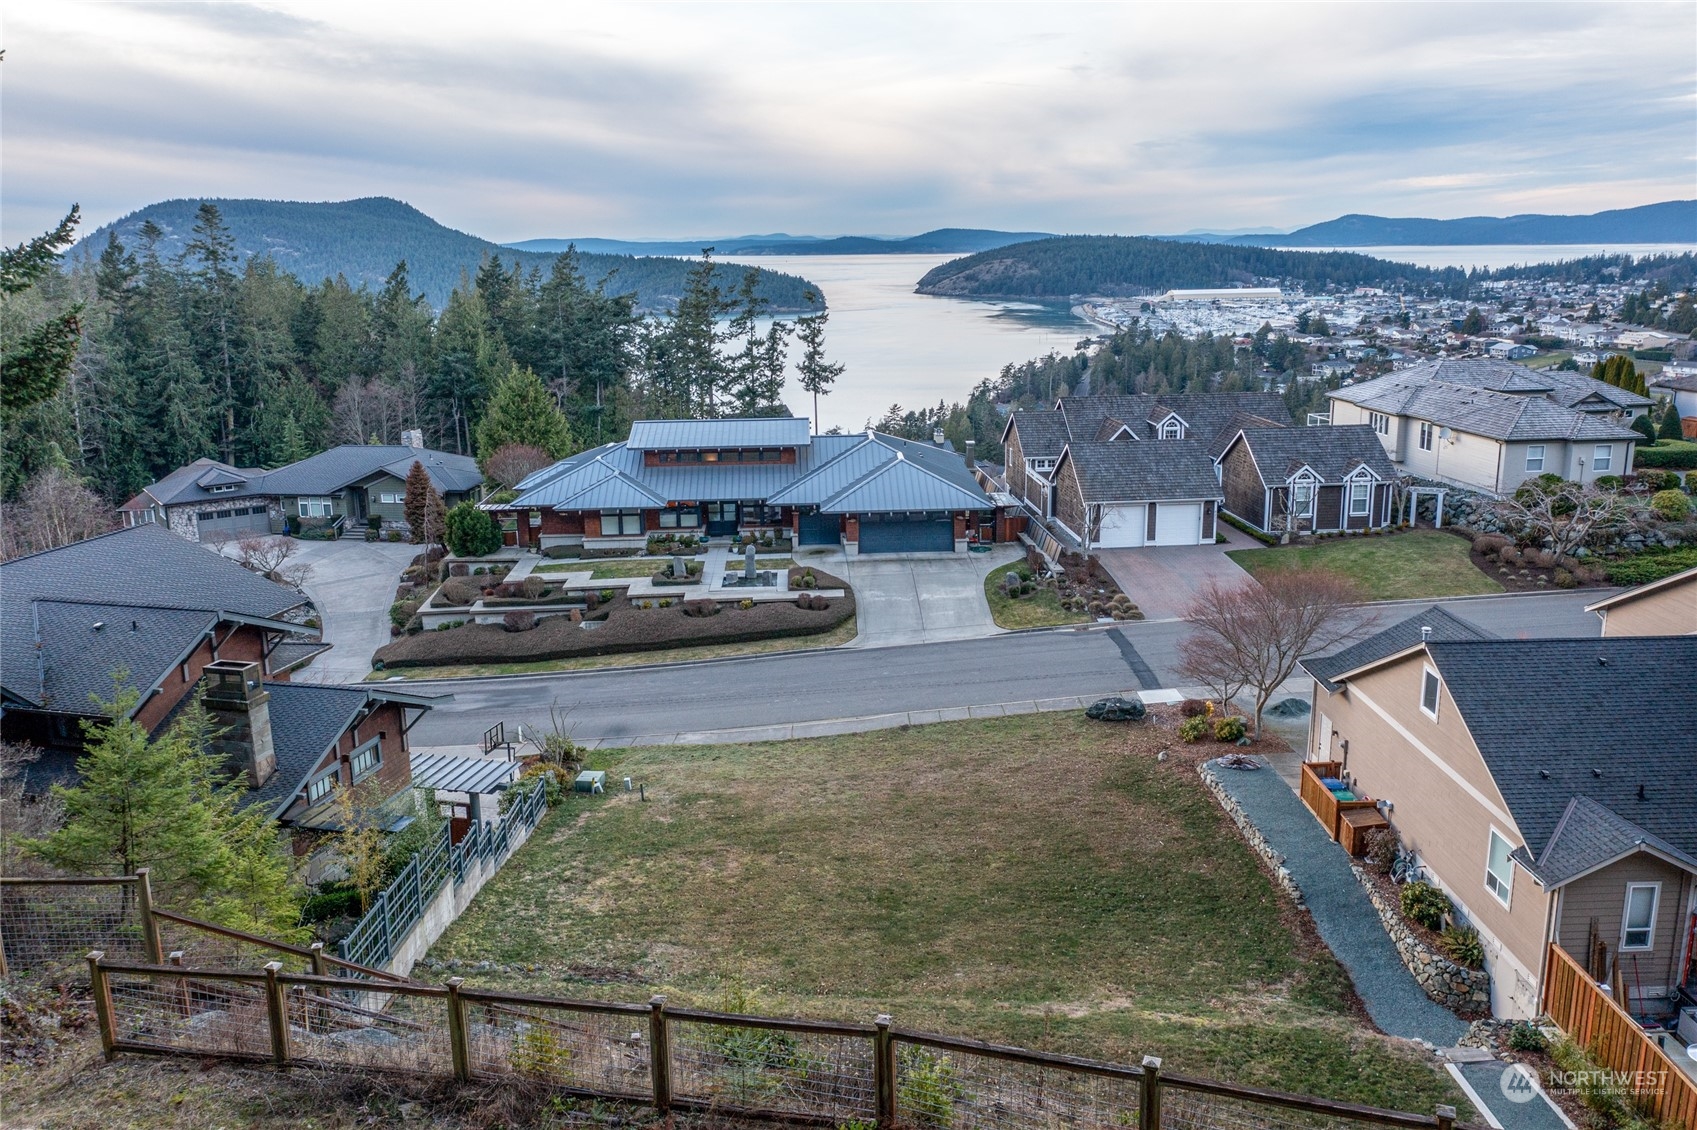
x: 1345, y: 918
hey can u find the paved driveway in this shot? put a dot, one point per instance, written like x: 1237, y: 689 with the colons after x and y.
x: 353, y: 584
x: 919, y: 597
x: 1161, y: 580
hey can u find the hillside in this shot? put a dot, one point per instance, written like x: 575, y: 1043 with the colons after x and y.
x: 1128, y: 265
x: 363, y: 239
x: 943, y: 241
x: 1674, y: 221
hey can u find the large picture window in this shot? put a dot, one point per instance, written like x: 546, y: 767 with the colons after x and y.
x: 620, y: 523
x: 313, y: 507
x: 1638, y: 923
x: 687, y: 517
x: 1499, y: 868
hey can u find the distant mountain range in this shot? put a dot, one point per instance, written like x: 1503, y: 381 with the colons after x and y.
x: 1673, y: 221
x: 943, y: 241
x: 362, y: 240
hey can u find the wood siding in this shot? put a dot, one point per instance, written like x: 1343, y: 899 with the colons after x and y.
x: 1670, y: 610
x: 1069, y: 500
x: 1240, y: 482
x: 1600, y: 899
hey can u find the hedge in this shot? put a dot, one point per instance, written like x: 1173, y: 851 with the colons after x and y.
x: 1237, y: 523
x: 1669, y: 454
x: 1652, y: 565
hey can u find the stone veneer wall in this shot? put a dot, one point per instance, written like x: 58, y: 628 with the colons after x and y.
x: 1455, y: 987
x: 1251, y: 834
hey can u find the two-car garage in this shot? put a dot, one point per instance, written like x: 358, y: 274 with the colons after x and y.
x: 913, y: 532
x: 1133, y: 524
x: 233, y: 523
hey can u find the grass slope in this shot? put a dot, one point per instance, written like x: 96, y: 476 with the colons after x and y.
x: 1040, y: 880
x: 1415, y: 563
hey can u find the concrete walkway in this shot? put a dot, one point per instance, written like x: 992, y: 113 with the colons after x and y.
x: 1346, y: 919
x: 916, y: 597
x: 352, y: 584
x: 1511, y: 1105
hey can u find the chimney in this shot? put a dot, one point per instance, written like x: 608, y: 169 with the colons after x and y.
x: 413, y: 438
x: 937, y: 436
x: 239, y: 706
x: 971, y: 458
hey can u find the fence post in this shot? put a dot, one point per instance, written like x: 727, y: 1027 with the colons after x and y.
x: 884, y: 1072
x: 1446, y: 1118
x: 4, y: 971
x: 176, y: 958
x: 150, y: 946
x: 102, y: 990
x: 277, y: 1013
x: 1149, y: 1095
x: 659, y: 1054
x: 457, y: 1031
x: 320, y: 967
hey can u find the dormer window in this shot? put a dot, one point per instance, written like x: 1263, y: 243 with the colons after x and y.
x: 224, y: 488
x: 1172, y: 429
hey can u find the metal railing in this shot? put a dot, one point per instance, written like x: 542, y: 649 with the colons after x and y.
x: 806, y: 1071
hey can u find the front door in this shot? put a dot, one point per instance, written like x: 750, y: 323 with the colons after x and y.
x: 721, y: 518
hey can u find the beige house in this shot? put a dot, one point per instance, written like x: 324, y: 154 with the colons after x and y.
x: 1667, y: 607
x: 1549, y: 787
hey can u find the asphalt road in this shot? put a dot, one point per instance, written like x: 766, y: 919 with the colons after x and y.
x: 857, y: 682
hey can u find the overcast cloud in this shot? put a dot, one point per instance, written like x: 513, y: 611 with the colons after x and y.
x: 514, y: 121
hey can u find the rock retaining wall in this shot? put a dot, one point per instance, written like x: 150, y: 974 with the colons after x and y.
x: 1456, y: 988
x: 1251, y: 834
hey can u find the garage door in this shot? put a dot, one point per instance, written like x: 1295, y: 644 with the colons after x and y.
x: 820, y: 529
x: 906, y: 533
x: 237, y: 522
x: 1178, y: 523
x: 1122, y: 527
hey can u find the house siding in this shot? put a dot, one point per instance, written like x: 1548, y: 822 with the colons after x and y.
x: 1069, y: 501
x: 246, y: 644
x: 1667, y: 611
x: 392, y: 512
x: 1328, y: 508
x: 1240, y: 482
x: 1599, y: 900
x: 1016, y: 476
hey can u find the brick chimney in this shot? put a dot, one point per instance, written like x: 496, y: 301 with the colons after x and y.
x: 971, y: 457
x: 239, y: 706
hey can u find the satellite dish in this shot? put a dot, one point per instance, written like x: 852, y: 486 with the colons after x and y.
x: 1443, y: 433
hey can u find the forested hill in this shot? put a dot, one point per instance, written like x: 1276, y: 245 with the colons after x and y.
x: 1673, y: 221
x: 1129, y: 265
x: 362, y: 240
x: 943, y: 241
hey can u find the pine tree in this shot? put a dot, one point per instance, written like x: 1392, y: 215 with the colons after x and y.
x: 686, y: 373
x: 520, y: 410
x: 467, y: 358
x: 1671, y: 428
x: 583, y: 344
x: 424, y: 510
x: 755, y: 380
x: 1645, y: 427
x: 36, y: 359
x: 213, y: 306
x: 816, y: 374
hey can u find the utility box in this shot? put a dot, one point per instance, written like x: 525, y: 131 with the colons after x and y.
x: 590, y: 781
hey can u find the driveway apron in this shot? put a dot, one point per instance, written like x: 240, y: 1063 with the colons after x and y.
x: 1162, y: 580
x: 1345, y: 918
x: 352, y: 585
x: 918, y: 597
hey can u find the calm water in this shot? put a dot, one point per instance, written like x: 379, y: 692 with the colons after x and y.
x: 911, y: 349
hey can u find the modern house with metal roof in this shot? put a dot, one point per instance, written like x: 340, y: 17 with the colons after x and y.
x: 346, y: 486
x: 1490, y: 425
x: 867, y: 492
x: 1509, y: 769
x: 1308, y: 480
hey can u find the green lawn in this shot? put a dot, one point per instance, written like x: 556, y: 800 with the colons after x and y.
x: 1042, y: 609
x: 1040, y: 880
x: 1414, y: 563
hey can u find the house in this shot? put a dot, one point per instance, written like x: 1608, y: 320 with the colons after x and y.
x: 1505, y: 767
x: 350, y: 485
x: 1661, y: 608
x: 1679, y: 384
x: 1512, y: 350
x: 1490, y: 425
x: 1313, y: 480
x: 145, y: 611
x: 867, y: 492
x: 1116, y: 471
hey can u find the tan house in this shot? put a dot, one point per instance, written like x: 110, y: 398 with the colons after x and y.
x: 1549, y: 787
x: 1667, y: 607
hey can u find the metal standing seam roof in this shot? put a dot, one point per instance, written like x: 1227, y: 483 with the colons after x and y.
x: 899, y: 485
x: 457, y: 773
x: 761, y: 431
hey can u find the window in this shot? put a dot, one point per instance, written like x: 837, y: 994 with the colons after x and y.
x: 1381, y: 422
x: 1425, y: 436
x: 1602, y: 457
x: 225, y: 488
x: 388, y: 498
x: 1360, y: 498
x: 1535, y: 458
x: 313, y: 507
x: 615, y: 523
x: 1499, y: 869
x: 1302, y: 498
x: 1429, y: 692
x: 366, y: 760
x: 1172, y: 429
x: 1638, y: 922
x: 317, y: 790
x: 688, y: 517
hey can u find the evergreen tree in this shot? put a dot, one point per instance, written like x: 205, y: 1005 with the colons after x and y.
x: 425, y: 513
x: 467, y: 359
x: 1645, y: 427
x: 36, y: 357
x: 686, y: 374
x: 520, y: 410
x: 1671, y: 428
x: 583, y: 344
x: 179, y: 401
x: 472, y: 532
x: 755, y: 377
x: 212, y: 314
x: 817, y: 375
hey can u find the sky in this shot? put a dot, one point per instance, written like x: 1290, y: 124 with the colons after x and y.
x: 516, y: 121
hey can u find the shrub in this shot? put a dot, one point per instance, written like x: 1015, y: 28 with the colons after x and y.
x: 1461, y: 944
x: 591, y: 601
x: 1425, y: 905
x: 472, y: 532
x: 1381, y: 850
x: 1670, y: 505
x: 1676, y: 455
x: 1194, y: 729
x: 1491, y: 544
x: 401, y: 611
x: 1229, y: 729
x: 1510, y: 555
x: 519, y: 620
x: 1524, y: 1036
x: 1564, y: 580
x: 331, y: 901
x: 745, y: 604
x: 606, y: 595
x: 1653, y: 481
x: 1610, y: 482
x: 701, y: 608
x: 927, y: 1088
x: 1191, y: 707
x: 392, y: 535
x: 1652, y: 565
x: 532, y: 587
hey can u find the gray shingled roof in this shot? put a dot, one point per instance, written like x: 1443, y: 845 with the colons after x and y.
x: 1398, y: 637
x: 1591, y: 718
x: 683, y: 435
x: 1563, y: 388
x: 1331, y: 453
x: 1679, y: 382
x: 1126, y: 470
x: 1042, y: 432
x: 1206, y: 413
x: 79, y: 660
x: 189, y: 483
x: 325, y: 473
x: 1588, y: 836
x: 1495, y: 415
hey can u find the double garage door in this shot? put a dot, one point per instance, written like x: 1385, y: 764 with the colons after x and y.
x: 236, y: 522
x: 1176, y: 523
x: 907, y: 533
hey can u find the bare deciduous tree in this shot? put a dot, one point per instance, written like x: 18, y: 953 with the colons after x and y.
x: 1249, y: 636
x: 269, y: 557
x: 511, y: 463
x: 52, y: 510
x: 1567, y: 514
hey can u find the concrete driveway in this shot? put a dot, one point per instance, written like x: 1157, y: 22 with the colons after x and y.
x: 1161, y: 580
x: 917, y: 597
x: 352, y: 584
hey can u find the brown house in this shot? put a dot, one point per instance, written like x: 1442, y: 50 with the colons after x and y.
x: 1549, y: 787
x: 1307, y: 480
x: 1666, y: 607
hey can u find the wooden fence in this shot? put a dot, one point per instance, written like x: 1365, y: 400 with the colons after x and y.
x: 1596, y: 1022
x: 807, y: 1071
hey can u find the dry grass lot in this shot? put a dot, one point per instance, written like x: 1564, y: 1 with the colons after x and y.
x: 1040, y: 880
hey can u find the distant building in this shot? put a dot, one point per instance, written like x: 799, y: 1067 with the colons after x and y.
x: 1228, y: 294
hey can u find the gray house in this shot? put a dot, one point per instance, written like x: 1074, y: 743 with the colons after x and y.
x: 346, y: 486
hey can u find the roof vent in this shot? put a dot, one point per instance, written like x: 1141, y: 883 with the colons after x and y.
x: 1602, y: 661
x: 98, y: 624
x: 1641, y: 795
x: 135, y: 625
x: 1425, y: 633
x: 1598, y: 773
x: 1543, y: 774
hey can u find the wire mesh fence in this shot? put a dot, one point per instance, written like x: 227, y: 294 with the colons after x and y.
x: 47, y: 926
x: 738, y: 1064
x: 224, y: 1016
x: 335, y: 1027
x: 957, y: 1088
x: 1184, y: 1109
x: 607, y: 1053
x: 206, y: 946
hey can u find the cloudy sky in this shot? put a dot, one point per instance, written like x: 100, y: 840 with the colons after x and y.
x: 517, y: 120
